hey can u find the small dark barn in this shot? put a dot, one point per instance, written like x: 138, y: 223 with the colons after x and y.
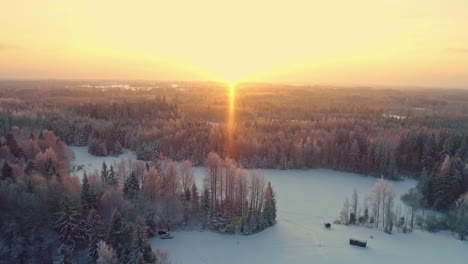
x: 357, y: 242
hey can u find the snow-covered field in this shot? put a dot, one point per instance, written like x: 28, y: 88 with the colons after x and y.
x: 306, y: 199
x: 85, y: 162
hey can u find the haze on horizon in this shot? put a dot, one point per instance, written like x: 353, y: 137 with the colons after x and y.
x: 387, y: 42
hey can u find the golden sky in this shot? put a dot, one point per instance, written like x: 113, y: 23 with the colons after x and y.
x: 368, y: 42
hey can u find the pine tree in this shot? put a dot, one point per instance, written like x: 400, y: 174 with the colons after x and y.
x: 352, y: 218
x: 195, y: 198
x: 68, y: 226
x: 458, y: 217
x: 456, y: 178
x: 444, y: 185
x: 104, y: 173
x: 112, y: 178
x: 140, y: 248
x: 118, y: 234
x: 94, y: 233
x: 429, y: 152
x: 87, y: 200
x: 7, y: 171
x: 205, y: 205
x: 354, y: 203
x: 131, y: 186
x: 365, y: 217
x: 423, y: 187
x: 269, y: 209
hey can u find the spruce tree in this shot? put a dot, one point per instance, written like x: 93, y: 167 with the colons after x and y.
x: 87, y: 200
x: 118, y: 234
x: 94, y: 234
x: 140, y: 249
x: 68, y: 226
x: 444, y: 185
x: 429, y: 152
x: 205, y: 205
x: 112, y: 178
x: 131, y: 186
x: 269, y: 209
x: 195, y: 198
x: 424, y: 187
x: 104, y: 173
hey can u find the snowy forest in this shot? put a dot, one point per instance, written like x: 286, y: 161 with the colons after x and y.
x: 108, y: 217
x: 50, y: 216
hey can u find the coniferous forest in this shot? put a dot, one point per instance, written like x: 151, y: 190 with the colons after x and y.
x: 50, y: 216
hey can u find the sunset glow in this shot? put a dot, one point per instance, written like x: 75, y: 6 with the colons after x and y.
x: 234, y: 131
x: 231, y: 115
x: 389, y: 42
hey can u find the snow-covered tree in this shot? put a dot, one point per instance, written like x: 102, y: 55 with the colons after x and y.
x: 106, y: 254
x: 344, y: 214
x: 269, y: 209
x: 140, y: 252
x: 94, y: 231
x: 87, y: 199
x: 112, y: 177
x: 104, y: 173
x: 354, y: 205
x: 131, y: 186
x: 444, y: 185
x: 68, y: 226
x: 458, y: 217
x: 118, y: 233
x: 415, y: 200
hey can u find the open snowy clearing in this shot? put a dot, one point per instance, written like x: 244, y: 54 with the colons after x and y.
x: 306, y: 199
x: 85, y: 162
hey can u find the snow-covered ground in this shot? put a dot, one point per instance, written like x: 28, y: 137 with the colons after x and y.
x: 85, y: 162
x: 306, y: 199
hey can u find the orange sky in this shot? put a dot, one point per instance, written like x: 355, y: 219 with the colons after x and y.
x: 382, y: 42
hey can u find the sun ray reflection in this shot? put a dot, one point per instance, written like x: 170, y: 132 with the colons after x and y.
x: 231, y: 119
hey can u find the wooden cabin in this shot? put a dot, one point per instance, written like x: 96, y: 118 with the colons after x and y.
x: 357, y: 242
